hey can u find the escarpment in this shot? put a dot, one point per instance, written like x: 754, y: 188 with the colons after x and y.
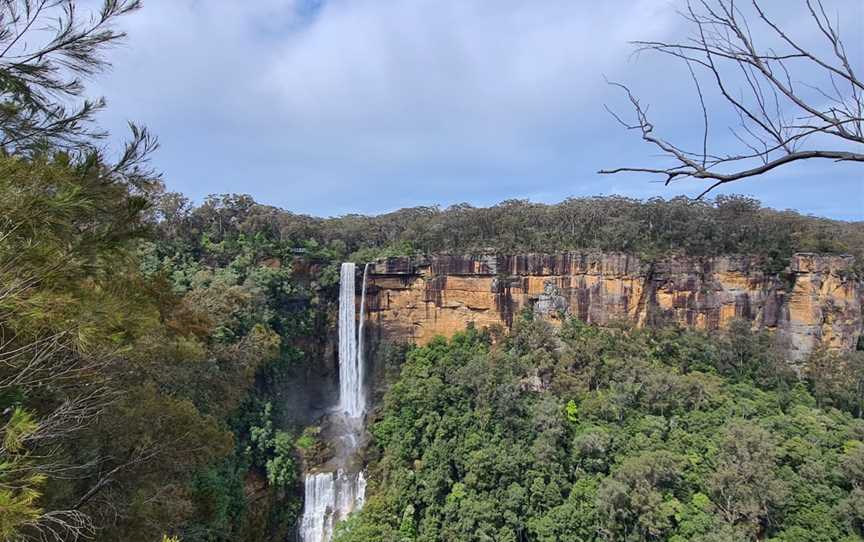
x: 816, y: 301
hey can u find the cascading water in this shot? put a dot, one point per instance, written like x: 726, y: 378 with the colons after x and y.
x: 331, y: 497
x: 352, y: 400
x: 361, y: 395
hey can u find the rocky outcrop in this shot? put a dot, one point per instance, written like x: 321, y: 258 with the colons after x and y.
x: 815, y: 301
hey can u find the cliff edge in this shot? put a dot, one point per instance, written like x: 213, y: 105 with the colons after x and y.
x: 816, y: 301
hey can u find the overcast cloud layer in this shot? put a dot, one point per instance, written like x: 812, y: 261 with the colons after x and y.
x: 372, y: 105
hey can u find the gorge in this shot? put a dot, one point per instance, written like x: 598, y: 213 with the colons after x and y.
x: 283, y: 376
x: 815, y: 302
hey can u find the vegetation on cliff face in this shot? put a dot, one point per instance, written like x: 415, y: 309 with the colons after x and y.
x: 273, y: 322
x: 616, y: 434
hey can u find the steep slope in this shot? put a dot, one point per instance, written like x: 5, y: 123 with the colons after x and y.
x: 815, y: 302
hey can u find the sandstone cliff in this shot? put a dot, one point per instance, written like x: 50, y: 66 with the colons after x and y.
x: 816, y: 301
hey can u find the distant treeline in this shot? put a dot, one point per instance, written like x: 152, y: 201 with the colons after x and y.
x: 652, y: 228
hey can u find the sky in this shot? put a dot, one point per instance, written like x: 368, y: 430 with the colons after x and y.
x: 330, y: 107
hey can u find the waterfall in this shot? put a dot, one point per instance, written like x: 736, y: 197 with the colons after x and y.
x: 361, y: 394
x: 352, y: 399
x: 331, y: 497
x: 318, y: 504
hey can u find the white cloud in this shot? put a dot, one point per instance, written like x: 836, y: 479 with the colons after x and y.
x: 367, y: 105
x: 403, y: 80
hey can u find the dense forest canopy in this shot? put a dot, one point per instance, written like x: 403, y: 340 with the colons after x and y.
x: 618, y: 434
x: 726, y: 225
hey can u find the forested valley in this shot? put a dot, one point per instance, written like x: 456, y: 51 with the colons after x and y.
x: 148, y: 345
x: 151, y: 348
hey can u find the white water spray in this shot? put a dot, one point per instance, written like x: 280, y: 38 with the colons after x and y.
x: 331, y: 497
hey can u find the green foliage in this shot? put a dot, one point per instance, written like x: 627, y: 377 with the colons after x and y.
x: 652, y: 229
x: 65, y: 229
x: 21, y: 482
x: 838, y: 379
x: 142, y: 424
x: 635, y: 435
x: 49, y: 48
x: 272, y: 449
x: 305, y: 442
x: 73, y: 307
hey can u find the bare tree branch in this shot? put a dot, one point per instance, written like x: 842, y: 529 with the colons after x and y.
x: 775, y: 119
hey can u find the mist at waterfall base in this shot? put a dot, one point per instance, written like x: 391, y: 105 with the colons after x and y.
x: 338, y: 488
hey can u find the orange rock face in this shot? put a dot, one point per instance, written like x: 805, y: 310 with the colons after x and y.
x: 815, y: 302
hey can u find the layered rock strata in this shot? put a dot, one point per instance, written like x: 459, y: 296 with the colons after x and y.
x: 816, y: 301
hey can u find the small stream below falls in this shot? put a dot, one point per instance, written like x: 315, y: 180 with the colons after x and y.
x: 338, y: 488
